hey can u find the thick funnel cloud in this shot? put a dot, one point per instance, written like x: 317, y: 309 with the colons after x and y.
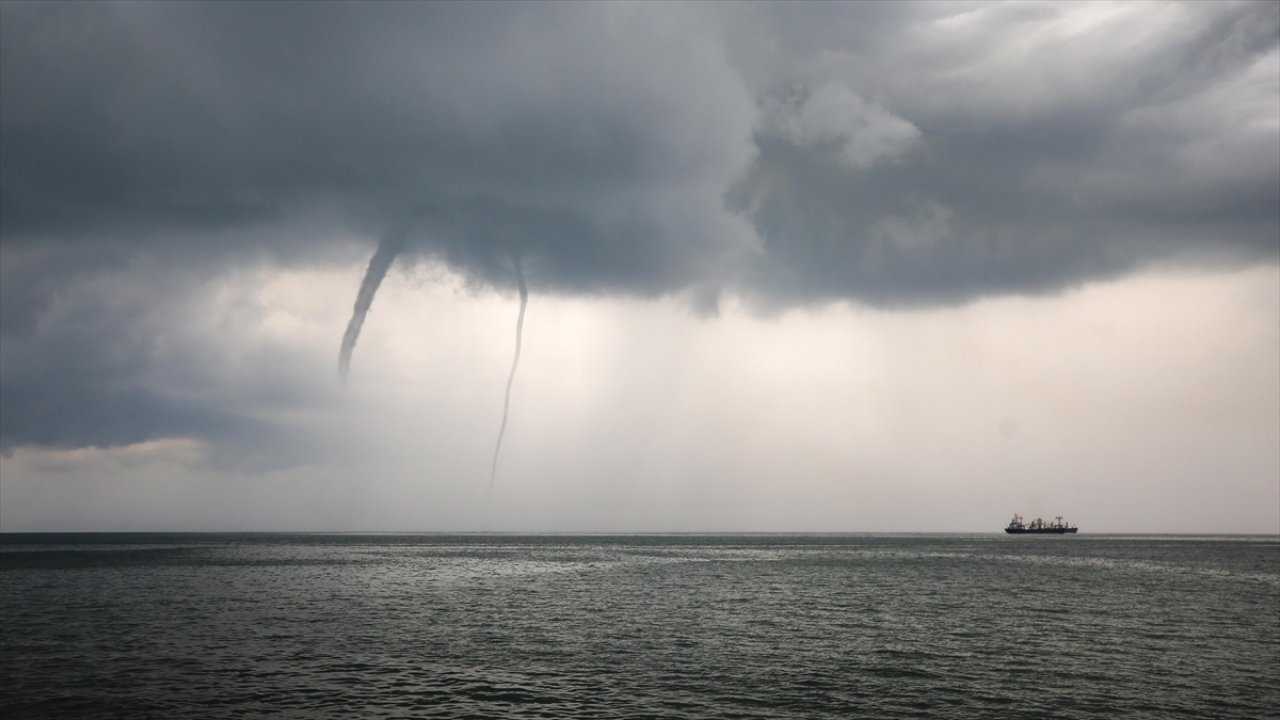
x: 378, y: 265
x: 515, y: 363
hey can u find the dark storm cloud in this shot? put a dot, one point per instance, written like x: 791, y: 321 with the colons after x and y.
x: 1056, y: 144
x: 599, y: 137
x: 118, y: 355
x: 885, y: 153
x: 601, y: 140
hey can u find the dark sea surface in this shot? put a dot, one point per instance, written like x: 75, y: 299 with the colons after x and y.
x: 667, y: 626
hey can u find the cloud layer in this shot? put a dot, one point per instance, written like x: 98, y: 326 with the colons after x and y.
x: 597, y: 138
x: 897, y: 155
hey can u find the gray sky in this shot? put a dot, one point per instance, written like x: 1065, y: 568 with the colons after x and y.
x: 860, y: 267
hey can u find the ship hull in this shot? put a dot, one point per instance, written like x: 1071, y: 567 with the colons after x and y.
x: 1040, y: 531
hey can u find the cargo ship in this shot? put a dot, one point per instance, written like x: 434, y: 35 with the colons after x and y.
x: 1039, y: 527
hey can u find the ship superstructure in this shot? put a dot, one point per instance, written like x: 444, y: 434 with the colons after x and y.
x: 1039, y: 526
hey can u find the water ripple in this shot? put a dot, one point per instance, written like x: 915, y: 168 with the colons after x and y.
x: 577, y: 627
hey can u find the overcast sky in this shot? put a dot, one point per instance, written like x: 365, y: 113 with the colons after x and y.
x: 794, y: 267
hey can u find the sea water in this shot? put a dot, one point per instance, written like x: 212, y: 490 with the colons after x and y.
x: 670, y: 626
